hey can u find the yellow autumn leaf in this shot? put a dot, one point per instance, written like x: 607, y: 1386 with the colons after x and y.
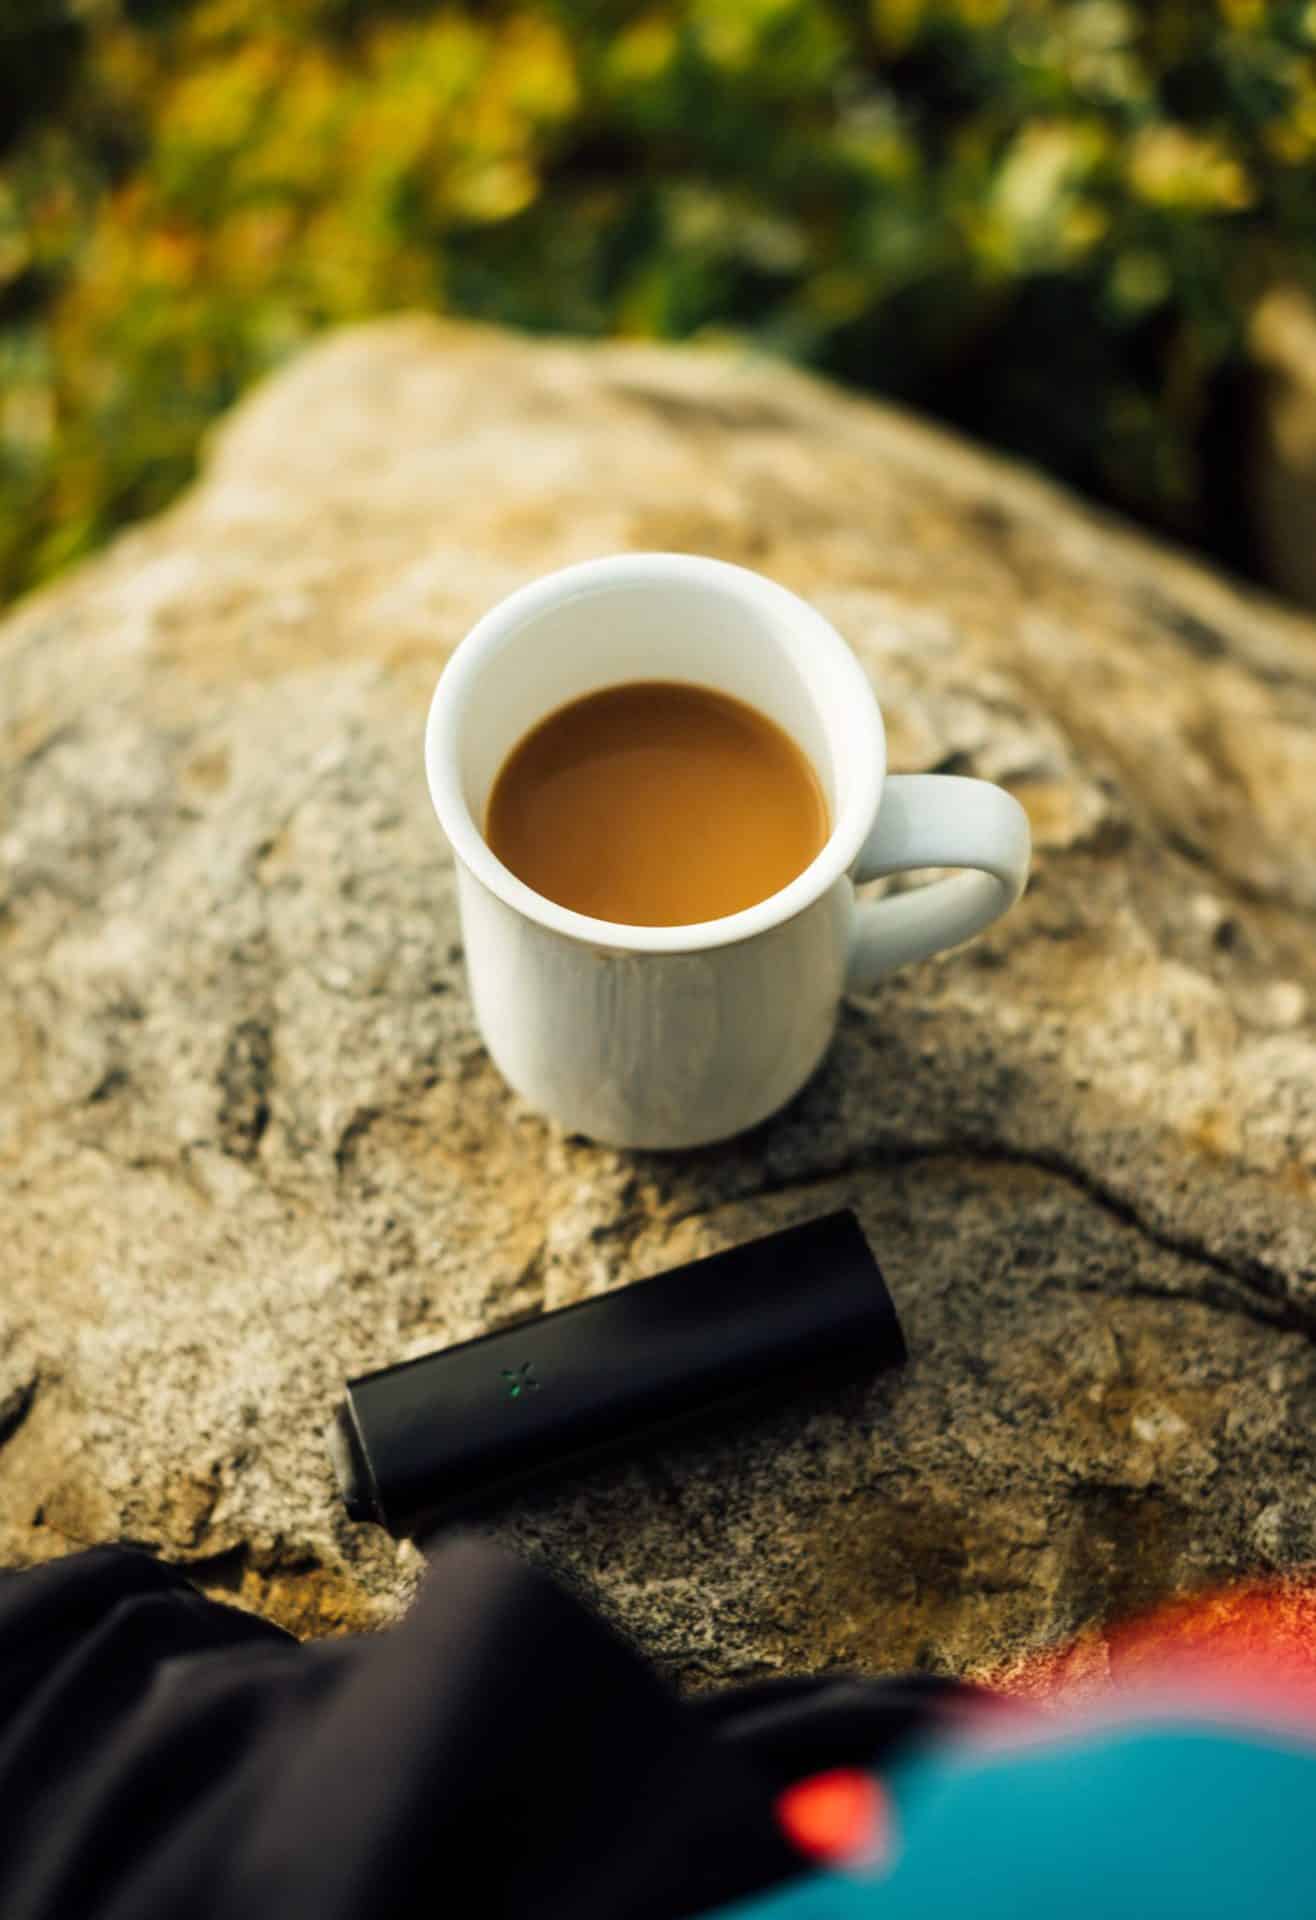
x: 1169, y: 166
x: 642, y: 51
x: 489, y: 189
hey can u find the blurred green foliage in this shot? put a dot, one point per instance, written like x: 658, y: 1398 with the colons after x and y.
x: 1047, y: 220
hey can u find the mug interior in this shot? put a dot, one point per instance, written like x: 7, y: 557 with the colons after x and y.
x: 655, y: 617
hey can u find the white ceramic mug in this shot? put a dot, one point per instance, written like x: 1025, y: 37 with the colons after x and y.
x: 676, y: 1036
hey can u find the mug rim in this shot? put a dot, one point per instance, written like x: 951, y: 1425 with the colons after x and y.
x: 855, y: 814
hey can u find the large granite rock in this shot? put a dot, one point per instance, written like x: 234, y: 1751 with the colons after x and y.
x: 249, y: 1142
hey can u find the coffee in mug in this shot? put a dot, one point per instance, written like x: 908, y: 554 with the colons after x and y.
x: 655, y: 1019
x: 657, y: 804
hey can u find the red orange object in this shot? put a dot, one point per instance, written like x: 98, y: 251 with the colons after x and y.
x: 836, y: 1817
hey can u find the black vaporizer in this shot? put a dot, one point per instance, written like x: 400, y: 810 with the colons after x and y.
x: 430, y: 1436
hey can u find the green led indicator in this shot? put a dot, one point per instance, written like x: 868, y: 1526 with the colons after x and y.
x: 518, y: 1381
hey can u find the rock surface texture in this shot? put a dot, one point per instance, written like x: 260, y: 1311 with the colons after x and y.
x: 250, y: 1144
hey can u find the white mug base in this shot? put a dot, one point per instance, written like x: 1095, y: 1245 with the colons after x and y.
x: 655, y: 1050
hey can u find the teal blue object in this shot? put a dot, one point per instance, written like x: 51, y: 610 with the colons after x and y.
x: 1167, y: 1823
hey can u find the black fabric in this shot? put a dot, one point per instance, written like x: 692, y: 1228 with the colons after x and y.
x: 498, y: 1752
x: 792, y: 1728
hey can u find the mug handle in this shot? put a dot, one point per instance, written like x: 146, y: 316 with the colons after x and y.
x: 936, y: 820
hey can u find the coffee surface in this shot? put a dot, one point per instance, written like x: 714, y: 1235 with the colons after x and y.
x: 656, y: 804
